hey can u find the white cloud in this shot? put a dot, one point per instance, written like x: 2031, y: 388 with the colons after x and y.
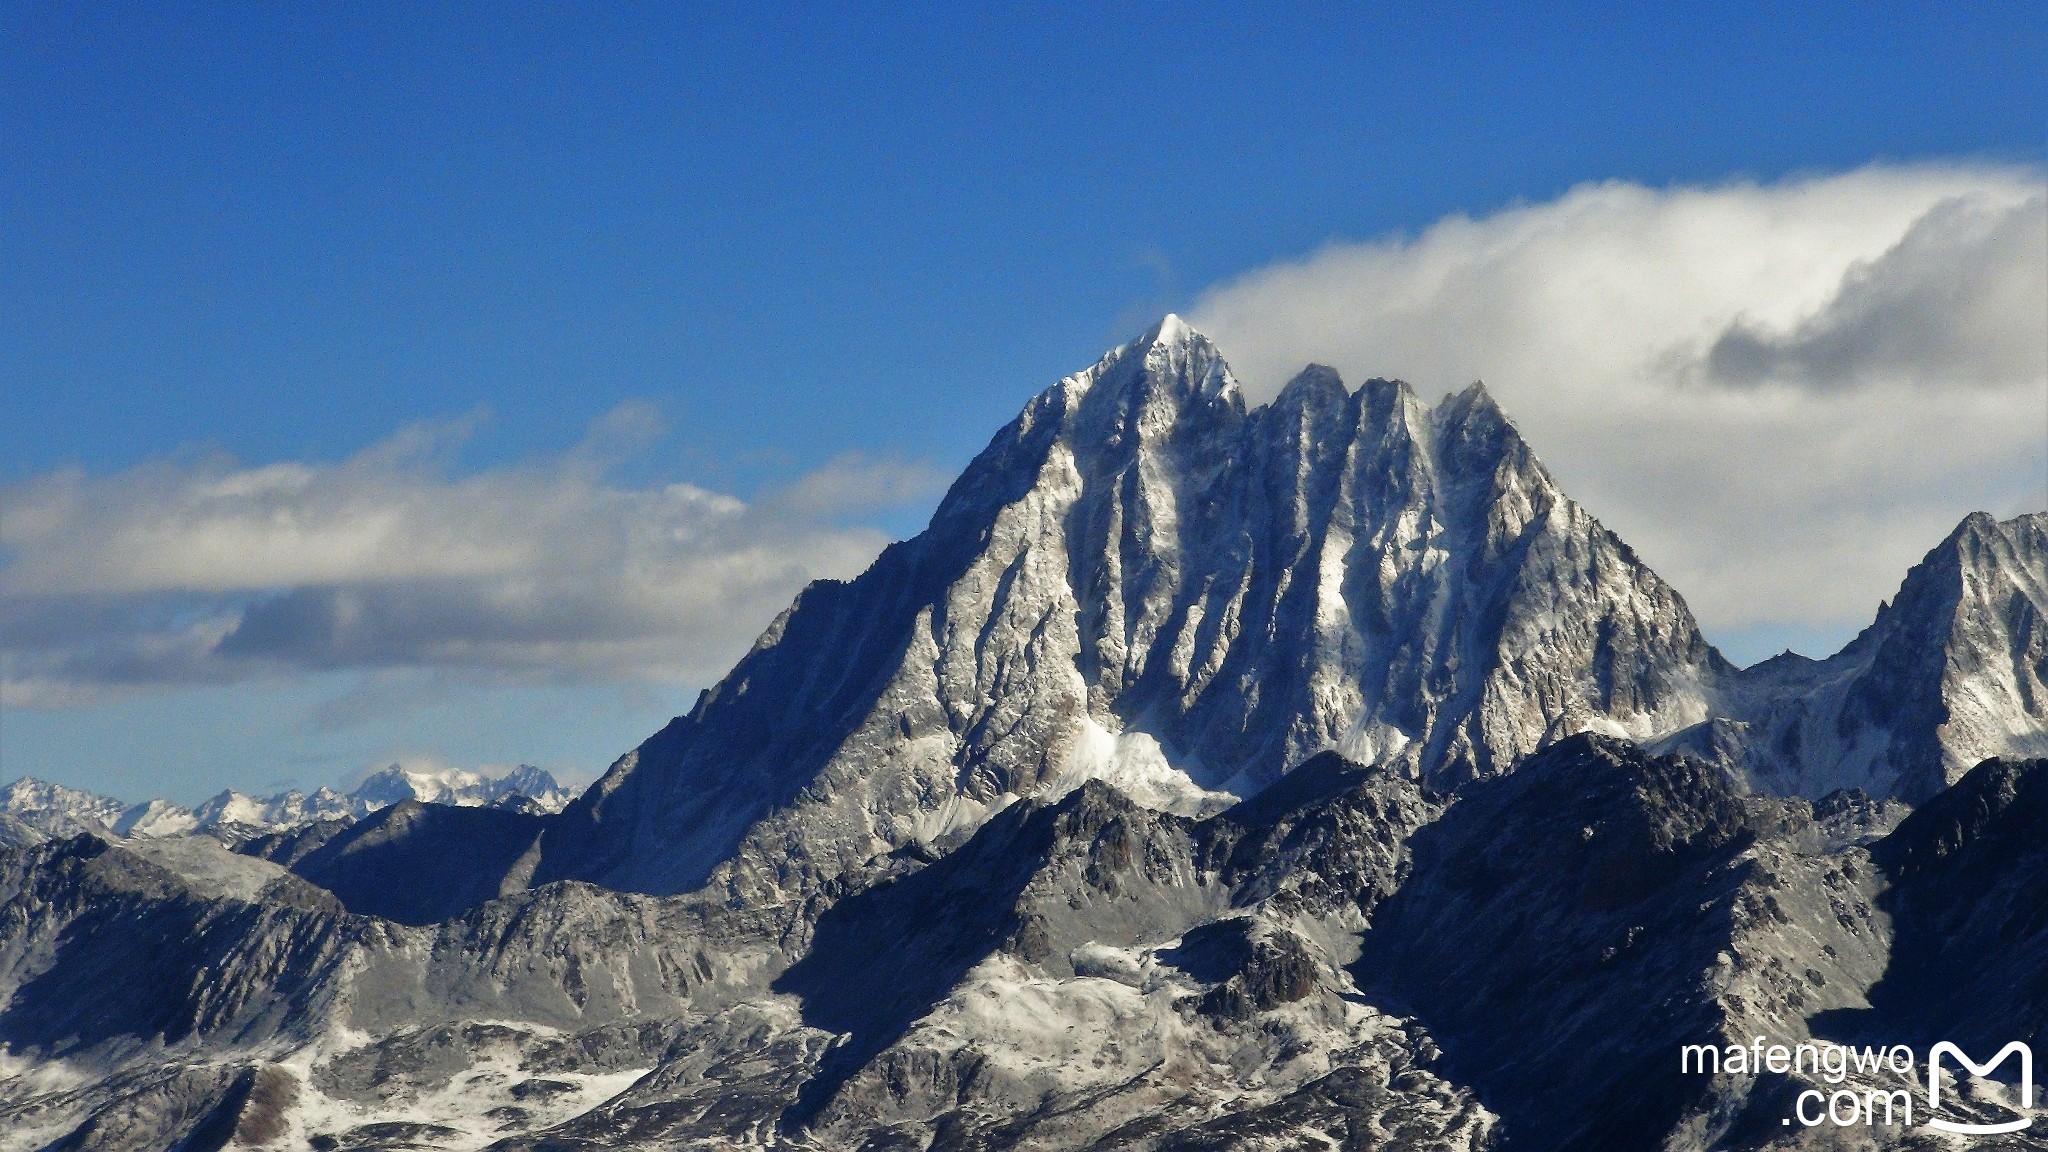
x: 206, y: 571
x: 1782, y: 394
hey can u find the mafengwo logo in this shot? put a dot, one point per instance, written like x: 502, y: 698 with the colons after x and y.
x: 1859, y: 1105
x: 2026, y: 1056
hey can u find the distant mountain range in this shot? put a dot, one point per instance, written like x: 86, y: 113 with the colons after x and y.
x: 1204, y: 776
x: 32, y: 810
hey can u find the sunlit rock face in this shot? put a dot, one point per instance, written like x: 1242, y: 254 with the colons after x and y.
x: 1954, y: 671
x: 1141, y: 580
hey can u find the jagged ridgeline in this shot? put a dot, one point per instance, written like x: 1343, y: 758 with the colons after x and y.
x: 32, y: 810
x: 1142, y: 581
x: 1204, y: 776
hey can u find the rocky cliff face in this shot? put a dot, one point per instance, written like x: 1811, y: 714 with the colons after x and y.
x: 1350, y: 957
x: 1142, y: 581
x: 1951, y: 673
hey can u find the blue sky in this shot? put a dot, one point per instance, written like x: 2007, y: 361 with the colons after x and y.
x: 792, y: 244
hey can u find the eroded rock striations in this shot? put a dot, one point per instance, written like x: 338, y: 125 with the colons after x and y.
x: 1142, y: 581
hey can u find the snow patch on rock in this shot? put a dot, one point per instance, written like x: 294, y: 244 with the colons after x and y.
x: 1133, y: 763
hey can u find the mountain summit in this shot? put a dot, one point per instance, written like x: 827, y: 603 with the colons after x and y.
x: 1140, y: 580
x: 1953, y: 671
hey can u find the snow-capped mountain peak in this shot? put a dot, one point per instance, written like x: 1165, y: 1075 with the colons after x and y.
x: 527, y: 787
x: 59, y: 811
x: 1139, y: 554
x: 1202, y: 776
x: 1954, y: 670
x: 56, y: 811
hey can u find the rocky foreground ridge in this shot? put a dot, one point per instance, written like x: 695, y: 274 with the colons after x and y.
x: 1311, y: 775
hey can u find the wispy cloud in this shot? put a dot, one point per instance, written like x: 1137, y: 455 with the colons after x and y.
x: 206, y: 570
x: 1783, y: 394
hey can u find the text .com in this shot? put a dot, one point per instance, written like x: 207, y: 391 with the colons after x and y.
x: 1856, y: 1105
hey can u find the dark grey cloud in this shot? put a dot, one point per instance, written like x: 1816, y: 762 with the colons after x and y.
x: 1947, y: 306
x: 204, y: 571
x: 62, y: 649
